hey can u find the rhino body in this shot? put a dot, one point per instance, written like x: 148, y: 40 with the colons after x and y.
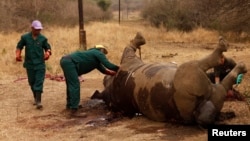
x: 164, y: 92
x: 147, y: 90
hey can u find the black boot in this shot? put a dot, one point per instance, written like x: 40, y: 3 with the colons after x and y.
x: 34, y: 94
x: 38, y: 100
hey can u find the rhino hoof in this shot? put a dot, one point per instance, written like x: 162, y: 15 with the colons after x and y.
x: 206, y: 114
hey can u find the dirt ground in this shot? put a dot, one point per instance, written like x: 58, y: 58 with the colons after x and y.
x: 21, y: 121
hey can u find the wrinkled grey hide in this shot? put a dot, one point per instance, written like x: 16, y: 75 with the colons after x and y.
x: 164, y: 92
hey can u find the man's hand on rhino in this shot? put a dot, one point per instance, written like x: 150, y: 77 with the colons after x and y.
x: 110, y: 72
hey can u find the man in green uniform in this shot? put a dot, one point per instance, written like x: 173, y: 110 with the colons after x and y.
x: 221, y: 71
x: 37, y: 51
x: 82, y: 62
x: 227, y: 64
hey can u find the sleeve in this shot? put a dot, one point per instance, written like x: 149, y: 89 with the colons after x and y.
x: 21, y: 43
x: 101, y: 68
x: 217, y: 71
x: 47, y: 46
x: 104, y: 61
x: 231, y: 63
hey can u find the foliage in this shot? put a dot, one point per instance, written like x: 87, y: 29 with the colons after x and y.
x: 220, y: 15
x: 168, y: 14
x: 104, y: 4
x: 18, y: 15
x: 184, y: 15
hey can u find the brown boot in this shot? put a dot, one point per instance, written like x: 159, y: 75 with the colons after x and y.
x: 77, y: 113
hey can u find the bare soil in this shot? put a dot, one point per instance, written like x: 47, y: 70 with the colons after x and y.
x: 21, y: 121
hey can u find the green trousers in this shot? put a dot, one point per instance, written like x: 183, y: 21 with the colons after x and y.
x: 72, y: 82
x: 36, y: 79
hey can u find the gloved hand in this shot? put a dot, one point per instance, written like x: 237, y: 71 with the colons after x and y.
x: 110, y: 72
x: 47, y: 55
x: 239, y: 78
x: 18, y: 55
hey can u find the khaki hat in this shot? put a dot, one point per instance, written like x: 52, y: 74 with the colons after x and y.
x: 102, y: 47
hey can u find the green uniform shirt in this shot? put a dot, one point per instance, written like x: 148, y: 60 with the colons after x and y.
x: 90, y: 59
x: 34, y: 50
x: 222, y: 70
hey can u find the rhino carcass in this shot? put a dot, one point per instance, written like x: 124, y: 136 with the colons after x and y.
x: 164, y: 92
x: 141, y: 88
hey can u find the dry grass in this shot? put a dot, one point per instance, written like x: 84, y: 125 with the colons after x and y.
x: 21, y: 121
x: 113, y: 35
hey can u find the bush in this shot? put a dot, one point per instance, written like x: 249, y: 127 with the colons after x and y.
x: 186, y: 15
x: 17, y: 15
x: 168, y: 14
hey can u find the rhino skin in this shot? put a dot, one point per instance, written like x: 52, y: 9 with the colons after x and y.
x: 145, y: 90
x: 210, y: 108
x: 192, y: 84
x: 167, y: 92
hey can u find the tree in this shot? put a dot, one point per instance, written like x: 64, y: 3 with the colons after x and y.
x: 222, y: 15
x: 104, y: 4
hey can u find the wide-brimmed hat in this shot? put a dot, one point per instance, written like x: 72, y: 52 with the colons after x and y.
x: 102, y: 47
x: 37, y: 24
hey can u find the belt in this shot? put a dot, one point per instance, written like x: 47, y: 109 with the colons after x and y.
x: 67, y: 57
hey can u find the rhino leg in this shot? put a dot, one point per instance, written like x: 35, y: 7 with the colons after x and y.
x: 97, y: 95
x: 206, y: 113
x: 186, y: 105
